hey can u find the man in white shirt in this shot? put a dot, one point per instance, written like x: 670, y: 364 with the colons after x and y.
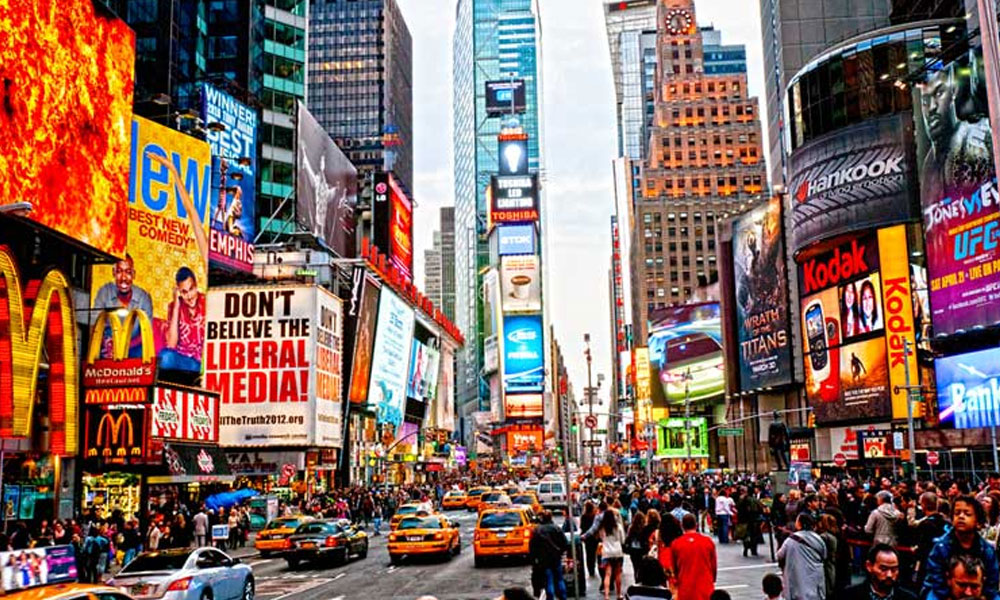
x: 724, y: 508
x: 200, y: 528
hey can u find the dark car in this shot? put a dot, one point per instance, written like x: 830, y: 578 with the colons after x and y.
x: 332, y: 540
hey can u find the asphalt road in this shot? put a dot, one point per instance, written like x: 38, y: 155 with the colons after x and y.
x: 454, y: 579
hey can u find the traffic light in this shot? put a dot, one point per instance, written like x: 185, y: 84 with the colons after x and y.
x: 812, y: 421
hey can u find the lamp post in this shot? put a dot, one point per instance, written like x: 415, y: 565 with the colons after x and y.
x: 590, y: 396
x: 687, y: 419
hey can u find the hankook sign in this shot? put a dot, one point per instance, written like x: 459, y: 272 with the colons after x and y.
x: 857, y: 178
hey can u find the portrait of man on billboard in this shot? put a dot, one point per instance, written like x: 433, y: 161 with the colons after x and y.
x: 323, y: 193
x: 123, y: 293
x: 959, y: 154
x: 229, y: 207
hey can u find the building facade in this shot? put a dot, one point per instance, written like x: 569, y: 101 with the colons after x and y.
x: 705, y: 160
x: 361, y: 82
x: 439, y: 264
x: 494, y: 40
x: 793, y: 32
x: 625, y: 23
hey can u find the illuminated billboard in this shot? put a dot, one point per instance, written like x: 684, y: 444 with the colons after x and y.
x: 685, y: 351
x: 513, y: 199
x: 390, y: 358
x: 165, y: 272
x: 959, y: 196
x: 762, y: 322
x: 515, y: 239
x: 392, y: 222
x: 68, y: 74
x: 364, y: 336
x: 523, y: 406
x: 528, y: 440
x: 513, y: 155
x: 672, y: 437
x: 505, y: 97
x: 521, y: 284
x: 523, y: 352
x: 968, y: 387
x: 233, y: 225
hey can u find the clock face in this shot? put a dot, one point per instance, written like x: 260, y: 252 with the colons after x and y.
x: 679, y: 21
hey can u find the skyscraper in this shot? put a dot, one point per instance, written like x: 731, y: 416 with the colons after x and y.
x: 495, y: 40
x: 361, y: 82
x: 704, y: 159
x: 433, y: 272
x: 795, y: 31
x: 439, y: 264
x: 625, y: 23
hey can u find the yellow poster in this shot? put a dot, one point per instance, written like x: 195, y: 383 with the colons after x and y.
x: 643, y: 389
x: 897, y: 302
x: 165, y: 271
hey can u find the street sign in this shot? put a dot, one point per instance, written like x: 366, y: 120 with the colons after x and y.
x: 601, y: 431
x: 590, y: 421
x: 731, y: 431
x: 933, y: 458
x: 592, y: 443
x: 839, y: 459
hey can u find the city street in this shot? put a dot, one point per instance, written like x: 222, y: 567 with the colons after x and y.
x: 456, y: 579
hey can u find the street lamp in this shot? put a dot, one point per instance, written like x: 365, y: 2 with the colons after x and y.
x: 687, y: 418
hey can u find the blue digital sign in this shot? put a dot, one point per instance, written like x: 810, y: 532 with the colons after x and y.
x: 515, y: 239
x: 968, y: 387
x: 523, y: 354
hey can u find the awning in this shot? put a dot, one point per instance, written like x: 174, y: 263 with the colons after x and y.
x: 191, y: 464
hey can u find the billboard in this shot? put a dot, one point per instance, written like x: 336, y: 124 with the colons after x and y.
x: 505, y: 97
x: 843, y: 325
x: 165, y: 271
x: 390, y: 358
x: 762, y: 322
x: 528, y: 440
x: 897, y: 306
x: 672, y: 437
x: 423, y: 372
x: 520, y: 284
x: 392, y: 222
x: 364, y: 337
x: 491, y: 303
x: 515, y: 239
x: 513, y: 199
x: 685, y: 351
x: 184, y: 415
x: 523, y: 352
x: 445, y: 399
x: 523, y: 406
x: 233, y: 225
x: 119, y: 434
x: 326, y: 187
x: 64, y: 135
x: 959, y: 196
x: 968, y: 388
x: 30, y: 567
x: 513, y: 154
x: 273, y: 355
x: 856, y: 178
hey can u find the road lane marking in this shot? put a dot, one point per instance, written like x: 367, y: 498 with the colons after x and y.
x: 742, y: 567
x: 257, y: 563
x: 338, y: 576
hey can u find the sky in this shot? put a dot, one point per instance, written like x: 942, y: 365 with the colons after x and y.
x: 579, y: 138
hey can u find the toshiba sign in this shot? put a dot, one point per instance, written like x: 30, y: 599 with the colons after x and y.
x: 860, y: 177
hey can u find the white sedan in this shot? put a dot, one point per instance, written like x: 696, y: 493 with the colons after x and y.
x: 186, y: 574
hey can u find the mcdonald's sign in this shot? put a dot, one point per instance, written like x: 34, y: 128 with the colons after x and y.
x: 136, y: 395
x: 119, y: 370
x: 118, y: 434
x: 37, y: 316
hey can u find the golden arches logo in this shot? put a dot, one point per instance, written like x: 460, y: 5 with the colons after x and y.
x: 125, y: 395
x: 121, y: 335
x: 111, y: 432
x: 49, y: 314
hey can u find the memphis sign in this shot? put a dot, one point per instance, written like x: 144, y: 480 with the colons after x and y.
x: 120, y: 370
x: 40, y: 316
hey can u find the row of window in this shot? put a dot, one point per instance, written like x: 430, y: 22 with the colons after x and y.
x: 695, y: 217
x: 684, y: 246
x: 657, y: 263
x: 673, y: 231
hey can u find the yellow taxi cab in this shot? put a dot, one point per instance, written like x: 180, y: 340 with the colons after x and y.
x: 406, y: 510
x: 421, y: 535
x: 527, y: 498
x: 472, y: 498
x: 68, y: 591
x: 494, y: 499
x: 454, y: 499
x: 274, y: 537
x: 502, y: 532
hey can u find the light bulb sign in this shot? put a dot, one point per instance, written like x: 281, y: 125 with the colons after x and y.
x: 513, y: 154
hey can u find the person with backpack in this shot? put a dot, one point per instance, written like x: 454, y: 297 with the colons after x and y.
x: 801, y: 558
x: 547, y: 546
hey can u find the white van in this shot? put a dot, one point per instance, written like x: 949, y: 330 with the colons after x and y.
x: 552, y: 493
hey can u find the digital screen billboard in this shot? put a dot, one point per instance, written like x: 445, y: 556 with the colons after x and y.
x: 856, y: 178
x: 326, y: 187
x: 514, y: 199
x: 234, y: 182
x: 843, y: 326
x: 422, y: 375
x: 685, y: 351
x: 505, y: 97
x: 64, y: 130
x: 672, y: 437
x: 529, y: 440
x: 273, y: 354
x: 513, y: 156
x: 165, y: 272
x: 968, y: 388
x: 515, y: 239
x: 521, y: 284
x: 392, y: 222
x: 523, y: 406
x: 959, y: 197
x: 523, y: 352
x: 390, y: 358
x: 762, y: 297
x: 364, y: 336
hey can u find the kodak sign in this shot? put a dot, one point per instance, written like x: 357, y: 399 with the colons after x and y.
x: 897, y: 300
x: 851, y: 259
x: 36, y: 317
x: 120, y: 371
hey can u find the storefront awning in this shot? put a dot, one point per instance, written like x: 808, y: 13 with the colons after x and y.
x: 191, y: 464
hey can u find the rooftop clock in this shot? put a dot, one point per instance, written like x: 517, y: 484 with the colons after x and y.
x: 680, y: 21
